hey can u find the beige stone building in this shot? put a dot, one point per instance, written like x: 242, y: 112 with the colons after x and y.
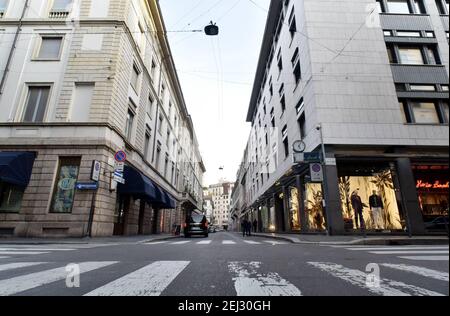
x: 80, y: 81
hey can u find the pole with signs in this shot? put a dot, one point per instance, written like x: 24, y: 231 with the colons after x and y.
x: 95, y: 176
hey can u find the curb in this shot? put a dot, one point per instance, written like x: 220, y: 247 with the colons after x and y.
x: 364, y: 241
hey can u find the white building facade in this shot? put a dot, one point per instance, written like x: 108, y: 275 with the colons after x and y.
x: 80, y: 81
x: 220, y: 195
x: 368, y: 80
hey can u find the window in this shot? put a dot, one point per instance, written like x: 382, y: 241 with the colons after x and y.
x: 148, y: 135
x: 280, y: 61
x: 50, y: 48
x: 286, y: 147
x: 411, y: 56
x: 387, y: 33
x: 408, y: 33
x: 297, y: 73
x: 415, y: 87
x: 151, y: 101
x: 64, y: 190
x: 129, y: 125
x: 433, y: 55
x: 430, y: 34
x: 443, y: 6
x: 292, y: 24
x: 158, y: 155
x: 160, y: 126
x: 283, y: 103
x: 398, y: 6
x: 425, y: 111
x: 166, y: 164
x: 135, y: 77
x: 270, y: 87
x: 153, y: 70
x: 302, y: 126
x: 168, y: 137
x: 419, y: 7
x: 62, y: 5
x: 300, y: 105
x: 272, y: 118
x: 3, y: 7
x: 444, y: 87
x: 36, y: 105
x: 10, y: 196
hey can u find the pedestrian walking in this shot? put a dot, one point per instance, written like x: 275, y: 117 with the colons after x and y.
x: 244, y: 227
x: 255, y: 226
x: 249, y: 228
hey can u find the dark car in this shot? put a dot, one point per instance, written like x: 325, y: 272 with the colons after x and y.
x: 196, y: 225
x: 440, y: 223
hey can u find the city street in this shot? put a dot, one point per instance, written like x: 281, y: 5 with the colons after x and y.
x: 225, y: 264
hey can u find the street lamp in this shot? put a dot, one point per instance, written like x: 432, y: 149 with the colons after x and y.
x: 212, y: 29
x: 325, y: 182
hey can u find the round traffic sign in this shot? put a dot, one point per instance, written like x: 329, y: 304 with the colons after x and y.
x: 120, y: 156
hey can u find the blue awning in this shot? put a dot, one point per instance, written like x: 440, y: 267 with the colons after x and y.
x: 142, y: 187
x: 16, y: 167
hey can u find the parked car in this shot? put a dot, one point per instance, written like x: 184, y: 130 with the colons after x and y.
x: 196, y: 225
x: 212, y: 229
x: 440, y: 223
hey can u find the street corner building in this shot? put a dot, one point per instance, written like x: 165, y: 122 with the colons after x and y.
x: 350, y: 119
x: 82, y: 80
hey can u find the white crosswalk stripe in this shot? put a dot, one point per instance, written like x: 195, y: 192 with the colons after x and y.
x: 204, y: 242
x: 416, y: 253
x: 228, y: 242
x: 18, y: 265
x: 36, y: 249
x: 425, y: 258
x: 249, y: 281
x: 180, y: 243
x: 23, y: 252
x: 275, y: 242
x: 386, y: 287
x: 251, y: 242
x: 151, y: 280
x: 26, y: 282
x: 437, y: 275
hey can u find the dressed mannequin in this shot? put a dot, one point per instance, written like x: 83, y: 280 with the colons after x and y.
x: 376, y: 206
x: 358, y: 209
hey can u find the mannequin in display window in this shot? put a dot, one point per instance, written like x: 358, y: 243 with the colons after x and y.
x: 358, y: 207
x: 376, y: 206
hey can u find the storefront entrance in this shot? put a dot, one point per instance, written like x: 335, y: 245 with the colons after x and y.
x: 432, y: 186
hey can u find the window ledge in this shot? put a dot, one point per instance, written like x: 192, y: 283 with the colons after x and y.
x: 405, y: 14
x: 427, y: 124
x: 46, y: 59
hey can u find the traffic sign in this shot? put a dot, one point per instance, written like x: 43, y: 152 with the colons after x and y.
x: 120, y: 156
x: 316, y: 172
x: 119, y: 179
x: 87, y: 186
x: 119, y: 166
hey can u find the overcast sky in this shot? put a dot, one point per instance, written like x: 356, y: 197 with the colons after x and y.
x: 217, y: 73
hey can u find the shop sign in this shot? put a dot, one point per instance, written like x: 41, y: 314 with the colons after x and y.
x: 316, y: 172
x: 428, y: 185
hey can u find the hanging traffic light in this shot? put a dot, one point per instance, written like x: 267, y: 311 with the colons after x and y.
x: 212, y: 29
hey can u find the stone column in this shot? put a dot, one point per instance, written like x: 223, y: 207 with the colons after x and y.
x: 333, y: 203
x: 414, y: 218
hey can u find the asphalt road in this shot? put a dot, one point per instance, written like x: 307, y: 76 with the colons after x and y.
x: 225, y: 264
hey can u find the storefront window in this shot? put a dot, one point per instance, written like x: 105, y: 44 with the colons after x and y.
x: 368, y: 198
x: 433, y: 191
x: 64, y: 191
x: 294, y: 209
x: 10, y: 197
x: 314, y: 206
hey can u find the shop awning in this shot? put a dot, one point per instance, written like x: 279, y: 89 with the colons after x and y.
x: 142, y: 187
x: 16, y: 167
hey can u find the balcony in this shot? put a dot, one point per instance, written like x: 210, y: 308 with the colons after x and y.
x: 58, y: 14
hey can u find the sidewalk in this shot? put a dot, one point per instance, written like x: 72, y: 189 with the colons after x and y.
x: 74, y: 241
x: 356, y: 240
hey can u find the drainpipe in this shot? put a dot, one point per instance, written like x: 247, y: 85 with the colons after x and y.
x: 13, y: 48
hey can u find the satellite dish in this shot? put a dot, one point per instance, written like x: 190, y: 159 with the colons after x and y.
x: 212, y: 29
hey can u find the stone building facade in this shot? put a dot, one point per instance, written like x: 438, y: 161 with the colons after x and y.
x: 80, y: 81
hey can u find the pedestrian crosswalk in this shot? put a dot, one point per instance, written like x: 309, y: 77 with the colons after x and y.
x: 414, y: 253
x: 218, y: 242
x: 248, y: 278
x: 13, y: 251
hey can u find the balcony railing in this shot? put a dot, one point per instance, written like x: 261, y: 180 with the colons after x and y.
x: 57, y: 14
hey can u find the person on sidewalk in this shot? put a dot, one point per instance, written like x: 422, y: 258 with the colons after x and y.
x: 255, y: 226
x: 244, y: 227
x: 358, y: 208
x: 248, y: 229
